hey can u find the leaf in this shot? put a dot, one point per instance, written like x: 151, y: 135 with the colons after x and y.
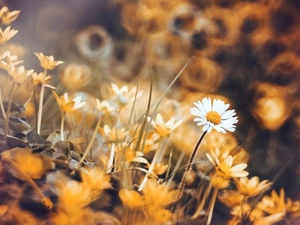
x: 18, y: 125
x: 11, y: 142
x: 14, y: 108
x: 35, y: 140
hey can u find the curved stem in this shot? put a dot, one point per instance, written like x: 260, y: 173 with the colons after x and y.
x: 89, y: 147
x: 40, y: 112
x: 189, y: 165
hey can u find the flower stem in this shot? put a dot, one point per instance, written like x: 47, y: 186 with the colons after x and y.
x: 89, y: 147
x: 62, y: 126
x: 189, y: 165
x: 111, y: 159
x: 1, y: 105
x: 6, y: 130
x: 211, y: 205
x: 40, y: 112
x: 157, y: 156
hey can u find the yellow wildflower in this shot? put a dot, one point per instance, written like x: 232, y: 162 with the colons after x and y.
x: 8, y: 17
x: 160, y: 168
x: 274, y: 204
x: 31, y: 164
x: 95, y: 179
x: 7, y: 60
x: 163, y: 128
x: 6, y: 34
x: 47, y: 62
x: 230, y: 198
x: 104, y: 106
x: 251, y: 187
x: 131, y: 199
x: 134, y: 156
x: 292, y: 208
x: 66, y: 105
x: 39, y: 78
x: 158, y: 194
x: 226, y: 169
x: 113, y: 134
x: 219, y: 181
x: 151, y: 142
x: 19, y: 74
x: 75, y: 76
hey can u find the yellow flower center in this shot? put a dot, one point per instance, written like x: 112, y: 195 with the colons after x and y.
x: 213, y: 117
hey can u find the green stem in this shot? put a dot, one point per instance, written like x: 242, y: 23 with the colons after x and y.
x: 89, y: 147
x: 189, y: 165
x: 62, y: 126
x: 40, y: 112
x: 6, y: 130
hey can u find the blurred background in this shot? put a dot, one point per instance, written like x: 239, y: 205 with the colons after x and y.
x: 247, y: 52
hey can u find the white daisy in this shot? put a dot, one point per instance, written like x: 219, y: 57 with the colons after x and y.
x: 214, y: 115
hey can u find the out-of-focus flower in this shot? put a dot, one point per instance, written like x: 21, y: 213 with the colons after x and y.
x: 214, y: 115
x: 8, y: 17
x: 39, y: 78
x: 185, y: 20
x: 151, y: 142
x: 158, y: 214
x: 230, y: 198
x: 123, y: 96
x: 103, y: 106
x: 30, y: 164
x: 160, y: 168
x: 226, y: 169
x: 19, y: 74
x: 72, y: 195
x: 219, y: 181
x: 134, y: 156
x: 131, y: 199
x: 94, y: 43
x: 47, y: 62
x: 156, y: 198
x: 253, y: 214
x: 6, y: 34
x: 158, y: 194
x: 271, y: 105
x: 251, y: 187
x: 292, y: 208
x: 113, y: 134
x: 7, y: 60
x: 95, y: 179
x: 203, y: 75
x: 66, y: 105
x: 163, y: 128
x: 75, y: 76
x: 274, y: 204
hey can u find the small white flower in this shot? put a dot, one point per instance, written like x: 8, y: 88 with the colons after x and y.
x: 123, y: 96
x: 214, y: 115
